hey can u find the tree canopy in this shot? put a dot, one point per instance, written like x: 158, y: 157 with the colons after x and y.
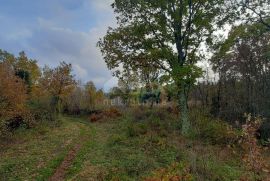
x: 163, y: 34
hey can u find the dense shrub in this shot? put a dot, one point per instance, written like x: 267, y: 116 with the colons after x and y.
x: 264, y: 133
x: 151, y: 121
x: 144, y: 113
x: 8, y: 125
x: 253, y: 158
x: 28, y: 119
x: 43, y: 115
x: 12, y: 98
x: 13, y: 123
x: 211, y: 130
x: 140, y: 113
x: 111, y: 113
x: 216, y: 132
x: 95, y: 117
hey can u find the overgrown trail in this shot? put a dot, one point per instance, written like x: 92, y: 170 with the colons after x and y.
x: 85, y: 136
x: 92, y: 159
x: 61, y: 171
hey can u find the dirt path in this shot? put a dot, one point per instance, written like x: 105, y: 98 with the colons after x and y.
x: 60, y: 172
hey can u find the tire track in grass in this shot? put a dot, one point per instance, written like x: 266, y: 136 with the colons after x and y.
x: 61, y: 171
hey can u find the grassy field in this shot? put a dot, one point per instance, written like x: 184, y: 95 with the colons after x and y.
x: 35, y: 153
x: 130, y: 147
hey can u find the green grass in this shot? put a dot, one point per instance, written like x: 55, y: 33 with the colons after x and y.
x: 125, y: 149
x: 114, y: 149
x: 34, y: 154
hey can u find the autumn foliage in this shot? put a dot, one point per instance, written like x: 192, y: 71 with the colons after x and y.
x: 252, y: 151
x: 12, y: 92
x: 30, y: 94
x: 12, y: 95
x: 110, y: 113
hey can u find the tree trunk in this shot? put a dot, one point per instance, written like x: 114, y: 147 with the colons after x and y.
x: 183, y: 109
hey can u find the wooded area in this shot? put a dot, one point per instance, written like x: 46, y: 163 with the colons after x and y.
x: 192, y: 101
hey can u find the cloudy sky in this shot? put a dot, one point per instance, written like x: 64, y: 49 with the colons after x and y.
x: 59, y: 30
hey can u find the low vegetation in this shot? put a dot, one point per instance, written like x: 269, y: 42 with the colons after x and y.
x: 138, y: 144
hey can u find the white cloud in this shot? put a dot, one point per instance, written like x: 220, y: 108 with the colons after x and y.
x: 52, y: 44
x: 80, y: 72
x: 63, y: 30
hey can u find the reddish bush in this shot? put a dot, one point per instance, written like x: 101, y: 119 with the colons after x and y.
x: 95, y: 117
x: 108, y: 113
x: 112, y: 113
x: 252, y: 151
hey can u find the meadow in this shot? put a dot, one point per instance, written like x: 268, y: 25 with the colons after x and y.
x: 134, y: 144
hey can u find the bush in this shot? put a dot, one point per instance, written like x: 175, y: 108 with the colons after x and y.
x: 153, y: 121
x: 252, y: 151
x: 111, y: 113
x: 28, y: 118
x: 217, y: 132
x: 264, y: 133
x: 95, y: 117
x: 140, y: 114
x: 43, y: 115
x: 13, y: 123
x: 211, y: 130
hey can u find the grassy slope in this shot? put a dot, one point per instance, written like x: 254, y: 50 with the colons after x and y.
x: 118, y: 149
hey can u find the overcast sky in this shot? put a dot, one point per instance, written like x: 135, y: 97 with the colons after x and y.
x: 59, y: 30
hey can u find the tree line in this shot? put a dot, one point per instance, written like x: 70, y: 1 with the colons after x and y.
x: 29, y: 93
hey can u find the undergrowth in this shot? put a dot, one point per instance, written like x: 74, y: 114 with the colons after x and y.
x: 139, y: 144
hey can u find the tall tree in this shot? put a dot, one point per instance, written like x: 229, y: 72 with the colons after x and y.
x: 90, y: 91
x: 164, y: 34
x: 59, y: 82
x: 126, y: 84
x: 25, y: 68
x: 24, y: 64
x: 100, y: 97
x: 7, y: 58
x: 12, y: 92
x: 243, y: 65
